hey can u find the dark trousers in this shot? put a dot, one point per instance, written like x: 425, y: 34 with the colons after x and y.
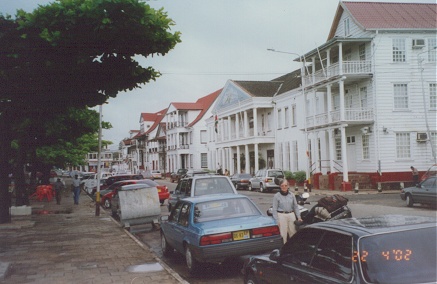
x: 58, y: 196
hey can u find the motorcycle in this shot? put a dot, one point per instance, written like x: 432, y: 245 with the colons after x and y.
x: 327, y: 208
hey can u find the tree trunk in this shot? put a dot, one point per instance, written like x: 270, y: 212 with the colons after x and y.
x: 5, y: 154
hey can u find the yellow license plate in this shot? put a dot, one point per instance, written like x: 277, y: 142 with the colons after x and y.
x: 159, y: 190
x: 241, y: 235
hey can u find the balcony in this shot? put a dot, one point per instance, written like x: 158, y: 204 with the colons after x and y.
x: 176, y: 124
x: 333, y: 71
x: 352, y: 116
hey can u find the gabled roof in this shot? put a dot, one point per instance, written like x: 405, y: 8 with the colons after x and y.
x: 206, y: 103
x: 259, y: 88
x: 291, y: 81
x: 389, y: 16
x: 158, y: 117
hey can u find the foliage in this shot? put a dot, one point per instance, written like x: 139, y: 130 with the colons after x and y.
x: 288, y: 175
x: 69, y: 54
x: 299, y: 176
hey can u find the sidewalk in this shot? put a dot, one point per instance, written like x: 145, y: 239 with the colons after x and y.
x: 67, y: 243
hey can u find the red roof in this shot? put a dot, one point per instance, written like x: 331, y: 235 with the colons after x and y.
x: 158, y: 117
x: 206, y: 103
x: 383, y: 15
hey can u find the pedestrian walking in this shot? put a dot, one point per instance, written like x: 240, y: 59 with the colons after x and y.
x: 76, y: 189
x: 415, y: 173
x: 285, y: 211
x: 59, y: 186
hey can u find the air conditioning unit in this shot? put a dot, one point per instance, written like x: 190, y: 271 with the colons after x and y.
x: 422, y: 137
x: 418, y: 43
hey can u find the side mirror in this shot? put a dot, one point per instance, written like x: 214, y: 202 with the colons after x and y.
x: 274, y: 255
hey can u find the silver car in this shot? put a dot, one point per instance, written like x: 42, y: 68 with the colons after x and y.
x: 264, y: 180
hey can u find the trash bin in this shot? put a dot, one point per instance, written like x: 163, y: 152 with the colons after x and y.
x: 137, y: 204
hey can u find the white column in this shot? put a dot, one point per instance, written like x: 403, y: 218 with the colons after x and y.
x: 329, y: 101
x: 229, y: 128
x: 223, y: 162
x: 238, y: 160
x: 256, y: 157
x: 237, y: 125
x: 342, y: 114
x: 246, y: 156
x: 246, y: 125
x: 340, y: 58
x: 344, y: 154
x: 331, y: 149
x: 255, y: 123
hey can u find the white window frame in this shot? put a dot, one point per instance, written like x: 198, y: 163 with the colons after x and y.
x: 338, y: 156
x: 203, y: 137
x: 399, y: 50
x: 432, y: 52
x: 204, y: 160
x: 293, y: 115
x: 365, y: 147
x: 362, y: 52
x: 363, y: 97
x: 287, y: 117
x: 400, y: 96
x: 403, y: 145
x: 433, y: 96
x: 347, y: 27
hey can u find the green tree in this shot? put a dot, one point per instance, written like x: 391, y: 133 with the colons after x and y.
x: 71, y: 53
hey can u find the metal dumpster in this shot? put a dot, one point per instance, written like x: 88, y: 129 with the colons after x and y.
x: 136, y: 204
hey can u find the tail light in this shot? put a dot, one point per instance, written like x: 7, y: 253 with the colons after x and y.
x: 244, y: 180
x: 215, y: 239
x: 268, y: 180
x: 265, y: 232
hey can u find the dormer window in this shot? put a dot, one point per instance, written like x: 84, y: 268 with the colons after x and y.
x: 346, y: 26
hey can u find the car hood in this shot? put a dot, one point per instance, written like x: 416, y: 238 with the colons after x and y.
x: 235, y: 224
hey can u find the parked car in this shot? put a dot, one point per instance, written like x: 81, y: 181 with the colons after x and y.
x: 264, y: 180
x: 90, y: 184
x: 107, y: 194
x: 147, y: 175
x: 110, y: 180
x: 174, y: 177
x: 156, y: 174
x: 386, y: 249
x: 196, y: 172
x: 424, y: 193
x: 213, y: 228
x: 200, y: 185
x: 241, y: 181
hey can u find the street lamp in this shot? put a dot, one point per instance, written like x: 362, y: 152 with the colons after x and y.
x: 302, y: 76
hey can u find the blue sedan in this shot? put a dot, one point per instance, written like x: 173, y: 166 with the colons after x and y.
x: 213, y: 228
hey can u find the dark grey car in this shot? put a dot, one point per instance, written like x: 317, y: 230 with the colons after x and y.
x: 424, y: 193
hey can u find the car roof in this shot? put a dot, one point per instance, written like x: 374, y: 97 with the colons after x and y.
x: 377, y: 224
x: 214, y: 197
x: 135, y: 186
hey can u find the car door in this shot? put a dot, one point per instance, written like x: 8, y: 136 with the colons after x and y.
x: 179, y: 225
x: 169, y: 228
x: 426, y: 193
x: 294, y: 261
x: 256, y: 180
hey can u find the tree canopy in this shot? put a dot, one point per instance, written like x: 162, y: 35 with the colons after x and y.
x: 70, y: 54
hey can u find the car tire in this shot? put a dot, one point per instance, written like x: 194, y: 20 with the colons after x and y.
x: 192, y: 264
x: 249, y: 187
x: 409, y: 200
x: 107, y: 203
x: 167, y: 250
x: 169, y: 207
x: 250, y: 279
x: 262, y: 188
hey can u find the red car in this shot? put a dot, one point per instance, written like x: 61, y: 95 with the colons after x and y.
x: 107, y: 194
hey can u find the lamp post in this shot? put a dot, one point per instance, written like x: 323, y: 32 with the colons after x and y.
x: 302, y: 76
x: 99, y: 161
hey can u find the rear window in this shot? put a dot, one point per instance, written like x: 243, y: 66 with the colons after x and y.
x: 399, y: 257
x: 212, y: 186
x: 224, y: 209
x: 275, y: 174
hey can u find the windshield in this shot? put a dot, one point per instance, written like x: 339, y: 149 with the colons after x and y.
x: 399, y: 257
x: 224, y: 209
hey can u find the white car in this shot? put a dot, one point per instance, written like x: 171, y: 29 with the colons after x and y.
x: 157, y: 174
x: 91, y: 182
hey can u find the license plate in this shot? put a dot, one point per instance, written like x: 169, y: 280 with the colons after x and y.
x: 159, y: 190
x: 241, y: 235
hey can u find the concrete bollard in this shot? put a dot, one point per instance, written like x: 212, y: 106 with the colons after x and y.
x: 402, y: 185
x: 379, y: 187
x: 296, y: 188
x: 356, y: 187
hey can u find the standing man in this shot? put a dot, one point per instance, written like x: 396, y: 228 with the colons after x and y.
x: 415, y: 173
x: 59, y: 186
x: 76, y: 189
x: 285, y: 211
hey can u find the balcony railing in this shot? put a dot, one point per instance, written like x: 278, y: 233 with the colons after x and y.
x: 177, y: 124
x: 349, y: 68
x: 351, y: 115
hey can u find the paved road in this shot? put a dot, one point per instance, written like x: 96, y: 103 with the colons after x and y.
x: 362, y: 204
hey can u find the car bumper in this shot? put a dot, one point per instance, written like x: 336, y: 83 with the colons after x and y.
x: 403, y: 197
x: 218, y: 253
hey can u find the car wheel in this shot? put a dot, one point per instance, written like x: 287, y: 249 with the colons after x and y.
x: 107, y: 204
x: 262, y: 188
x: 192, y: 263
x: 167, y: 250
x: 250, y: 279
x: 249, y: 187
x: 409, y: 200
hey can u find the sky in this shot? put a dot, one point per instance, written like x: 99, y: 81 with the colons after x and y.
x: 221, y: 40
